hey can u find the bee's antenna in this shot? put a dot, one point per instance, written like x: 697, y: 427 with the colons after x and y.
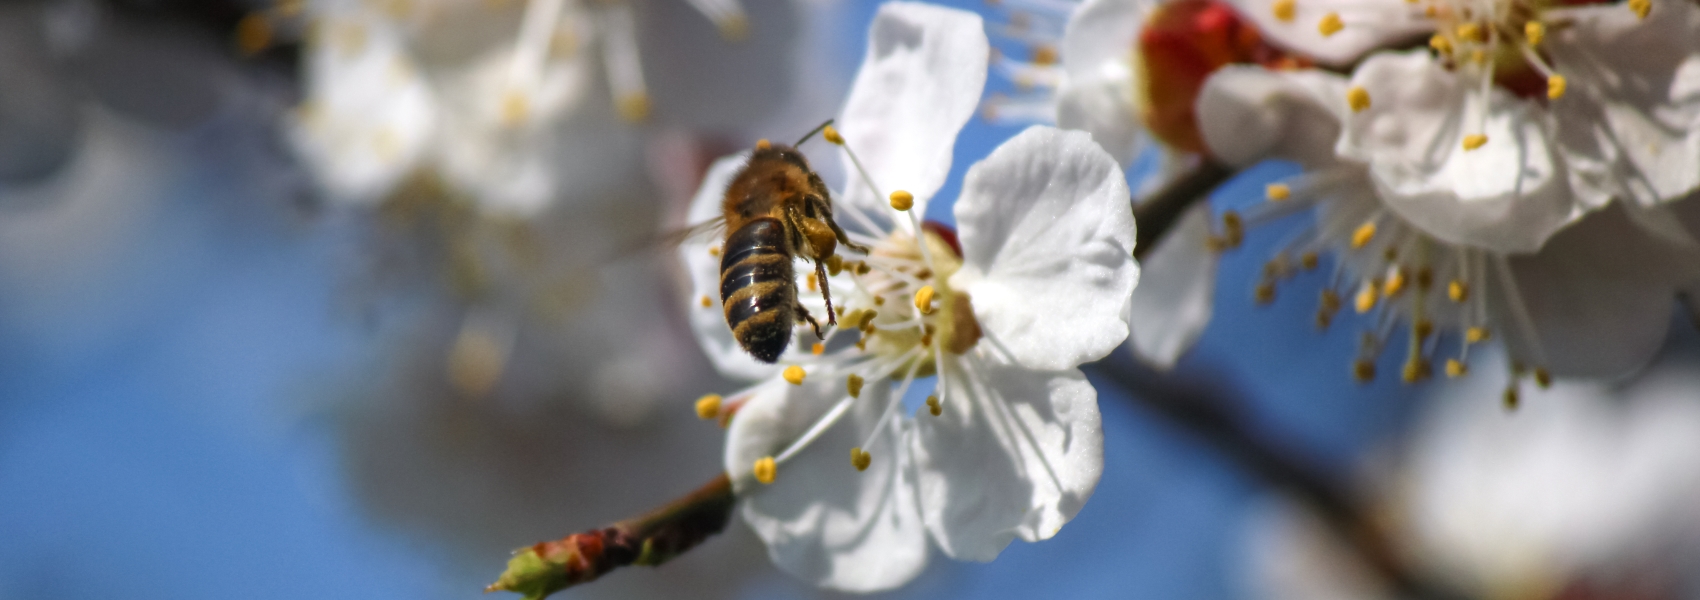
x: 812, y: 132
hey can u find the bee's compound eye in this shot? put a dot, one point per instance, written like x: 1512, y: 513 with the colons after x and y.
x: 821, y: 238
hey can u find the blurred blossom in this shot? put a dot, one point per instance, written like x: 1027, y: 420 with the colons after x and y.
x: 1585, y: 492
x: 1038, y: 284
x: 494, y: 97
x: 1584, y: 305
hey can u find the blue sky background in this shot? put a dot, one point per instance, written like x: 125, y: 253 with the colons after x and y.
x: 173, y: 450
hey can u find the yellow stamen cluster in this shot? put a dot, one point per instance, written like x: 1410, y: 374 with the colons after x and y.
x: 708, y: 407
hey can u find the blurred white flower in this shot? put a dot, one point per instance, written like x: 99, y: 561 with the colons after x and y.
x: 1587, y: 492
x: 1009, y: 444
x: 1528, y: 110
x: 1593, y: 302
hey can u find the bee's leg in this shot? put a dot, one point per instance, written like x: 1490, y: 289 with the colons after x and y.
x: 825, y: 211
x: 820, y: 276
x: 803, y: 315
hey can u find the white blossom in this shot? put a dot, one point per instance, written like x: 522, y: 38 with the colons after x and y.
x: 1009, y: 444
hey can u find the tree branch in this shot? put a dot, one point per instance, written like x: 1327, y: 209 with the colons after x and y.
x: 1157, y: 213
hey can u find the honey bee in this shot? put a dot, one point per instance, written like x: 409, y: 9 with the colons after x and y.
x: 776, y: 209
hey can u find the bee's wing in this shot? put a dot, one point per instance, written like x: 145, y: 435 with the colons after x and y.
x: 673, y: 239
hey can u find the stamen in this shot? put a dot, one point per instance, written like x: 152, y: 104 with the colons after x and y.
x: 1367, y: 295
x: 1474, y: 141
x: 1455, y: 368
x: 515, y: 108
x: 706, y: 301
x: 1363, y: 370
x: 1511, y: 399
x: 766, y: 469
x: 817, y: 349
x: 902, y: 200
x: 860, y: 458
x: 1330, y: 24
x: 924, y: 300
x: 624, y: 63
x: 1543, y: 378
x: 830, y: 134
x: 1395, y: 282
x: 1362, y: 235
x: 933, y: 405
x: 1641, y: 7
x: 1416, y: 369
x: 1441, y: 44
x: 1535, y: 32
x: 1357, y: 98
x: 854, y: 385
x: 708, y: 406
x: 1265, y: 293
x: 794, y: 374
x: 1555, y: 87
x: 1277, y: 192
x: 1471, y: 32
x: 1475, y: 335
x: 1458, y: 291
x: 1285, y: 10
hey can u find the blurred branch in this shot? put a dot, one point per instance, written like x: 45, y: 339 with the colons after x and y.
x: 1158, y: 212
x: 1212, y: 415
x: 650, y: 540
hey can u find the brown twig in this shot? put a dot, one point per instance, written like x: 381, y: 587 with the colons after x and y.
x: 1157, y: 213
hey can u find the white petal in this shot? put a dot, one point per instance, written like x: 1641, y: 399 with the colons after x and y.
x: 1100, y: 33
x: 822, y: 520
x: 1247, y: 114
x: 1172, y: 305
x: 709, y: 322
x: 1644, y: 74
x: 369, y: 115
x: 1103, y: 105
x: 1369, y: 24
x: 1047, y: 239
x: 1014, y: 452
x: 1509, y: 195
x: 1600, y: 295
x: 920, y: 82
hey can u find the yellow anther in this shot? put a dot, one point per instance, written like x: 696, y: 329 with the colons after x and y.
x: 902, y: 200
x: 1265, y: 293
x: 879, y: 300
x: 1362, y: 235
x: 1308, y: 260
x: 1358, y: 98
x: 1641, y: 7
x: 1415, y: 370
x: 1474, y: 141
x: 1285, y: 10
x: 1425, y: 279
x: 708, y: 406
x: 1458, y: 291
x: 794, y: 374
x: 1478, y: 56
x: 1395, y: 284
x: 813, y: 284
x: 1476, y: 335
x: 933, y: 405
x: 1366, y: 297
x: 1044, y: 55
x: 860, y: 459
x: 924, y: 299
x: 867, y: 321
x: 1330, y: 24
x: 834, y: 264
x: 1511, y: 398
x: 1441, y: 44
x: 705, y: 301
x: 763, y: 144
x: 1455, y: 368
x: 1543, y: 378
x: 1555, y: 87
x: 1470, y: 31
x: 634, y: 107
x: 714, y: 251
x: 862, y: 268
x: 1277, y: 191
x: 1363, y: 371
x: 854, y: 385
x: 766, y: 469
x: 817, y: 349
x: 1422, y: 328
x: 1535, y: 32
x: 831, y: 135
x: 1330, y: 302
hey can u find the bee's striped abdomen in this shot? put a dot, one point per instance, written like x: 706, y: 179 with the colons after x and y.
x: 759, y: 288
